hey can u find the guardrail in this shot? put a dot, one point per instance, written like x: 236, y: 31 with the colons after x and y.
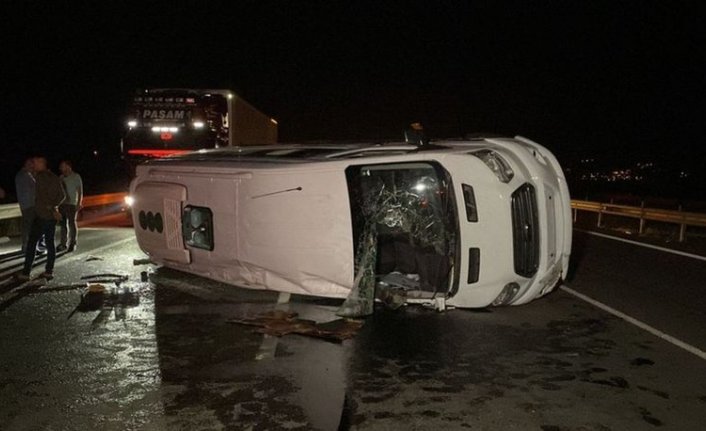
x: 10, y: 211
x: 682, y: 218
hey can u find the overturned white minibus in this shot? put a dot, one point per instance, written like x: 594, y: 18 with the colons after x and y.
x: 468, y: 223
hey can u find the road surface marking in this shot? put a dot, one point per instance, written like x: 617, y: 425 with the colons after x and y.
x: 642, y: 244
x: 644, y: 326
x: 80, y: 255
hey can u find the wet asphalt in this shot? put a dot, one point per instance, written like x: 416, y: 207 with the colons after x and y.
x: 161, y: 355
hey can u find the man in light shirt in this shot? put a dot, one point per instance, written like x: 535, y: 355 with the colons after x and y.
x: 73, y: 187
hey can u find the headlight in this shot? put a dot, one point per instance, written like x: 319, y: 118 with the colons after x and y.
x: 198, y: 124
x: 129, y: 200
x: 132, y: 123
x: 497, y: 164
x: 197, y: 227
x: 507, y: 294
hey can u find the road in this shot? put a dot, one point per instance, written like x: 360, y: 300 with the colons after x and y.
x: 163, y: 356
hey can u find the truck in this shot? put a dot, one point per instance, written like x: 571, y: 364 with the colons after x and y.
x: 472, y: 223
x: 171, y: 121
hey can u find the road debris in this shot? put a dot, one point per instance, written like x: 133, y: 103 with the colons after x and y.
x: 96, y: 288
x: 99, y: 297
x: 106, y: 275
x: 106, y: 278
x: 278, y: 323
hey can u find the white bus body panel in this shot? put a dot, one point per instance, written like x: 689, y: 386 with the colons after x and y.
x: 296, y: 241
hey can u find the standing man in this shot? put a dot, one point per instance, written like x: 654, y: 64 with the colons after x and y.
x: 48, y: 196
x: 73, y: 186
x: 24, y: 186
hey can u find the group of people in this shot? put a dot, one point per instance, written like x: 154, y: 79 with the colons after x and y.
x: 46, y: 199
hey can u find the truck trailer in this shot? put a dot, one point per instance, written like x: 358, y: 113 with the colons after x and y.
x: 171, y: 121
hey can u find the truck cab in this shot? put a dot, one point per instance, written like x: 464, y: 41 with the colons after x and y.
x: 171, y: 121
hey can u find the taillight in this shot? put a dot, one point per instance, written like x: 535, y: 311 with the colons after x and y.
x: 156, y: 153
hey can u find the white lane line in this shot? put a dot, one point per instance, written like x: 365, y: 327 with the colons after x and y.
x: 642, y: 325
x: 80, y: 256
x: 642, y: 244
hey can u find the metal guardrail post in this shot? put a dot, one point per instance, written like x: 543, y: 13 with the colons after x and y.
x: 600, y: 216
x: 682, y: 227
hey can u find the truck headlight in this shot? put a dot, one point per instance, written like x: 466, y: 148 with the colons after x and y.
x: 497, y: 164
x: 197, y: 227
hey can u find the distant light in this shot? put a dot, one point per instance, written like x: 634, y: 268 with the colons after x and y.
x: 165, y: 129
x: 95, y: 152
x: 230, y: 96
x: 129, y: 200
x: 273, y: 121
x: 198, y: 124
x: 420, y: 187
x: 132, y: 123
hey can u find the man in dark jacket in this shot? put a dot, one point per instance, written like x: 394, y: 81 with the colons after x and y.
x: 49, y: 195
x: 25, y: 187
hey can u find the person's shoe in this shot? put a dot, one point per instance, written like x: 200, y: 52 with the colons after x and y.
x: 61, y: 248
x: 71, y: 248
x: 40, y: 252
x: 48, y: 275
x: 22, y: 277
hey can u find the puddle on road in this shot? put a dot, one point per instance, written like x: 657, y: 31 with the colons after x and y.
x: 242, y: 377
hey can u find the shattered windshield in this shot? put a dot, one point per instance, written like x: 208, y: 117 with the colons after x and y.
x: 403, y: 228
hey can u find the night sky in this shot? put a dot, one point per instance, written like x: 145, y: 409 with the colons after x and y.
x: 616, y: 80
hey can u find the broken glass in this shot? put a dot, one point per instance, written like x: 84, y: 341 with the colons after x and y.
x: 403, y: 220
